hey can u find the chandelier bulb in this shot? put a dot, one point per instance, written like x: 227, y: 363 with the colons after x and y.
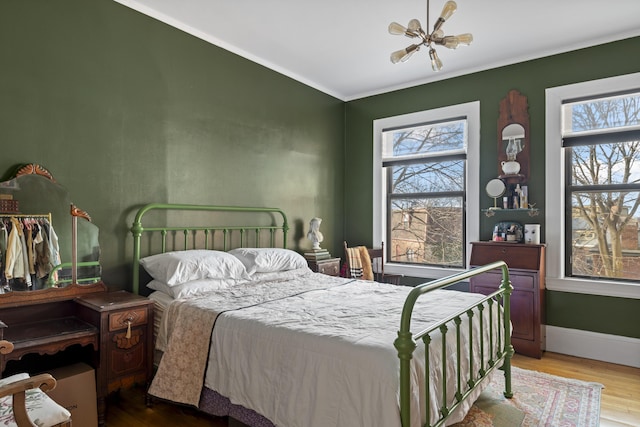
x: 449, y: 8
x: 403, y: 55
x: 450, y: 42
x: 436, y: 63
x: 466, y: 38
x: 414, y: 25
x: 397, y: 29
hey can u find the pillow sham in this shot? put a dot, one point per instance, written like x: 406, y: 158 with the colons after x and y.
x: 267, y: 260
x: 174, y: 268
x: 280, y: 275
x: 192, y: 288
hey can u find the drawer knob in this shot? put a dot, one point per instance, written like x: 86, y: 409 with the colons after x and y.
x: 128, y: 334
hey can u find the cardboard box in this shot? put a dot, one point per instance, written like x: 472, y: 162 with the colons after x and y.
x: 76, y: 391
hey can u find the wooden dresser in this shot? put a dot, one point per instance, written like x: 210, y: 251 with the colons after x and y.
x: 111, y: 331
x: 526, y: 264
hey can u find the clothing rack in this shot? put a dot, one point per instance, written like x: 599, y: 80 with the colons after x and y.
x: 46, y: 216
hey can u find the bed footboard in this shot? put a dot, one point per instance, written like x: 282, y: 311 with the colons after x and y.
x: 493, y: 354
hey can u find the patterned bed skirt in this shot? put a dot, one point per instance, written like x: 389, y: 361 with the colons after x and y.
x: 214, y: 403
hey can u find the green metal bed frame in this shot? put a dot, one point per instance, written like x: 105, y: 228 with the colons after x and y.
x: 405, y: 344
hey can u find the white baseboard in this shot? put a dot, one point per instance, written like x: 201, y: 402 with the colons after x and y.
x: 593, y: 345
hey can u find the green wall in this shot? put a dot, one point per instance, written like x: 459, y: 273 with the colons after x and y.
x: 615, y: 315
x: 125, y: 110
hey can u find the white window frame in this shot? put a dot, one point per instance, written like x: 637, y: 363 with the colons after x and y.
x: 471, y: 111
x: 555, y: 186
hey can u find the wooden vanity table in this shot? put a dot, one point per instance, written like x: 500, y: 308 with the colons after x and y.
x: 45, y: 322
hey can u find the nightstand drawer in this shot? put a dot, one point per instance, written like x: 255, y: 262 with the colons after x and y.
x: 331, y: 268
x: 128, y: 318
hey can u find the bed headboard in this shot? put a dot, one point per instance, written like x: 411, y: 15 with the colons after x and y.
x: 182, y: 227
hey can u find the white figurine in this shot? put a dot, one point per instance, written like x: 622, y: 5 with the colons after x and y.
x: 314, y: 233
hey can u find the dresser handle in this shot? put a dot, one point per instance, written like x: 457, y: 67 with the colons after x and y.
x: 128, y: 335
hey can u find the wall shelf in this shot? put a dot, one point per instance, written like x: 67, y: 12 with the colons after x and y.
x: 492, y: 211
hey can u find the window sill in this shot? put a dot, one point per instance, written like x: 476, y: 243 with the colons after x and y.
x: 432, y: 273
x: 594, y: 287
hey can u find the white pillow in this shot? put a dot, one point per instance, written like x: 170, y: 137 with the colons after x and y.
x: 174, y: 268
x: 280, y: 275
x: 267, y: 260
x: 192, y: 288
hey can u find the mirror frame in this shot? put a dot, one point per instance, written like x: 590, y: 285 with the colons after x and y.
x: 514, y: 109
x: 72, y: 290
x: 491, y: 183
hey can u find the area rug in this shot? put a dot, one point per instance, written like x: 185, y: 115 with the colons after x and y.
x: 539, y: 399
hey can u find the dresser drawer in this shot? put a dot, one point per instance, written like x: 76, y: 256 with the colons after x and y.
x: 127, y: 355
x: 527, y: 257
x: 128, y: 318
x: 519, y: 280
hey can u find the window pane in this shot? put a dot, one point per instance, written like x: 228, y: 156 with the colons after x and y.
x: 604, y: 235
x: 427, y: 231
x: 606, y: 164
x: 428, y: 177
x: 429, y: 139
x: 602, y: 114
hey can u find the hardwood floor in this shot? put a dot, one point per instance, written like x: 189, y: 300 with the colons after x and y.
x: 620, y: 405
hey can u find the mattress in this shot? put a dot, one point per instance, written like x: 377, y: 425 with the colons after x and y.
x: 161, y: 303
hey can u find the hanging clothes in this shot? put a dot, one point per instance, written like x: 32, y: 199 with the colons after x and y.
x: 44, y: 263
x: 29, y: 251
x: 4, y: 235
x: 14, y: 265
x: 25, y: 256
x: 55, y: 250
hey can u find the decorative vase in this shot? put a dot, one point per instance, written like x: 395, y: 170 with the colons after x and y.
x: 511, y: 167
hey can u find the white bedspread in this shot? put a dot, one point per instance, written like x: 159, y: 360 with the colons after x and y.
x: 323, y: 357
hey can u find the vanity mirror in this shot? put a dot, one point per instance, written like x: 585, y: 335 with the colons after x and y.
x: 495, y: 188
x: 513, y: 138
x: 32, y: 200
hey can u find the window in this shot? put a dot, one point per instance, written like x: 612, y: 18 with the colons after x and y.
x: 426, y: 191
x: 593, y: 149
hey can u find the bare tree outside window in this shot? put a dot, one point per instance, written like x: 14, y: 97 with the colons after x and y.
x: 602, y: 137
x: 426, y: 173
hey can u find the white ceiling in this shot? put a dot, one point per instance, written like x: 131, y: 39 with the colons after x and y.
x: 342, y: 47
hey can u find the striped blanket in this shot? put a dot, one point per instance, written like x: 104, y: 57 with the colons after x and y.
x: 359, y: 263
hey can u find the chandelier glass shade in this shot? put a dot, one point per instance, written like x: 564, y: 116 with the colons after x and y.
x: 414, y: 31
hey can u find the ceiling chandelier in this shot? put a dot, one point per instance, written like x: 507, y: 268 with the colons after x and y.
x: 436, y: 37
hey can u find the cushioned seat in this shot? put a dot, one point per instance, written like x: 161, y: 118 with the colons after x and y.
x: 24, y: 403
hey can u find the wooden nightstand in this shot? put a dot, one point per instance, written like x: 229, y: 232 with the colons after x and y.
x: 125, y: 354
x: 330, y: 266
